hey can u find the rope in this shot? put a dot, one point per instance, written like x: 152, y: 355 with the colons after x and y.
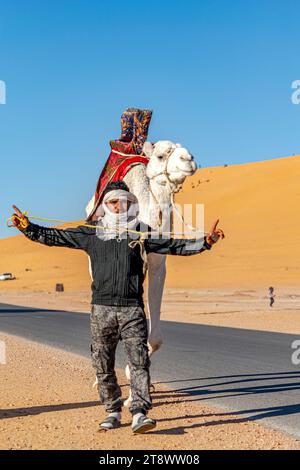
x: 138, y: 232
x: 24, y: 224
x: 140, y: 242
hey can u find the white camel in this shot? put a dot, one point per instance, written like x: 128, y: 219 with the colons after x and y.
x: 154, y: 186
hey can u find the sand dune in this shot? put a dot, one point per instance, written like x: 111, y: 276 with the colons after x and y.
x: 257, y: 204
x: 258, y: 207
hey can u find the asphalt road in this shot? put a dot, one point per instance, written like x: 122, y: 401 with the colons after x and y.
x: 248, y: 374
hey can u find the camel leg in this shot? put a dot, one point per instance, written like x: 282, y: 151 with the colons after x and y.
x: 156, y: 280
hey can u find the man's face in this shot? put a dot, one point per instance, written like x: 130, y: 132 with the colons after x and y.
x: 117, y: 206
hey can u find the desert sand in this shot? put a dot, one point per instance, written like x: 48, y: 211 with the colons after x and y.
x: 47, y: 402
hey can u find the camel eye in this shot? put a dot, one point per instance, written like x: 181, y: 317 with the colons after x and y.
x: 160, y: 157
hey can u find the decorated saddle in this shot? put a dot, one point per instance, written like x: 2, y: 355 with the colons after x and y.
x: 125, y: 152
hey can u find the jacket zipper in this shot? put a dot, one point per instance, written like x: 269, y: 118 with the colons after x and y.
x: 117, y: 270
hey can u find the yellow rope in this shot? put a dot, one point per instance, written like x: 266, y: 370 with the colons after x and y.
x: 66, y: 222
x: 142, y: 234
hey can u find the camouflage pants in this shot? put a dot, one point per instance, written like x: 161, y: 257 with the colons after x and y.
x: 109, y: 324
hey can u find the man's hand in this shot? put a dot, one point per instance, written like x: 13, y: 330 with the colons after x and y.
x: 19, y: 220
x: 214, y: 234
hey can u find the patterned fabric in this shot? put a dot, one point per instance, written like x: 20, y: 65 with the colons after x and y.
x: 134, y: 130
x: 127, y: 125
x: 109, y: 325
x: 135, y: 125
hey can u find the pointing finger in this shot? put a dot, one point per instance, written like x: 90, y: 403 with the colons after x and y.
x: 18, y: 212
x: 214, y: 226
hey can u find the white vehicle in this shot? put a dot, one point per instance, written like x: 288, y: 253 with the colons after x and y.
x: 6, y: 277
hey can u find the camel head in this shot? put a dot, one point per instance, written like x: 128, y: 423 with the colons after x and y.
x: 169, y: 163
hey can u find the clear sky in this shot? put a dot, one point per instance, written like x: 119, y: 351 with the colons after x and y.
x: 217, y: 74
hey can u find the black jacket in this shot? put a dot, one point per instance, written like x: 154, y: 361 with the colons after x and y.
x: 117, y: 268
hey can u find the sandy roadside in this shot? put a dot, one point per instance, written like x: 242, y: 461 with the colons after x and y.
x: 236, y: 308
x: 47, y: 403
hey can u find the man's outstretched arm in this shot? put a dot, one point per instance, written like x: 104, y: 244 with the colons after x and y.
x: 184, y: 247
x: 176, y: 246
x: 78, y: 237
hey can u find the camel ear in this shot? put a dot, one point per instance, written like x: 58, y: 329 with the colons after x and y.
x: 178, y: 145
x: 148, y: 149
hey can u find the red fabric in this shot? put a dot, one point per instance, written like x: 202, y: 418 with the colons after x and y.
x: 115, y: 168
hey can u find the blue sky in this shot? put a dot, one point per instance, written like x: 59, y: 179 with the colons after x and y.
x: 217, y: 74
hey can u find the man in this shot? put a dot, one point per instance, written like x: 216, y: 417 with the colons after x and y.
x: 117, y: 309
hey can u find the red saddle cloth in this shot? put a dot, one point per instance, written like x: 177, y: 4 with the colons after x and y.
x: 121, y: 159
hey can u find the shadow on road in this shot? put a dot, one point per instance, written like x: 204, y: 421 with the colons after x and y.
x: 256, y: 414
x: 266, y: 374
x: 246, y: 384
x: 233, y: 388
x: 10, y: 310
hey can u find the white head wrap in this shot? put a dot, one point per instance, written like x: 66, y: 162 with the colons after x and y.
x: 115, y: 225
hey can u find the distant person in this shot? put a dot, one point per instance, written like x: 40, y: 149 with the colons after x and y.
x: 271, y: 296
